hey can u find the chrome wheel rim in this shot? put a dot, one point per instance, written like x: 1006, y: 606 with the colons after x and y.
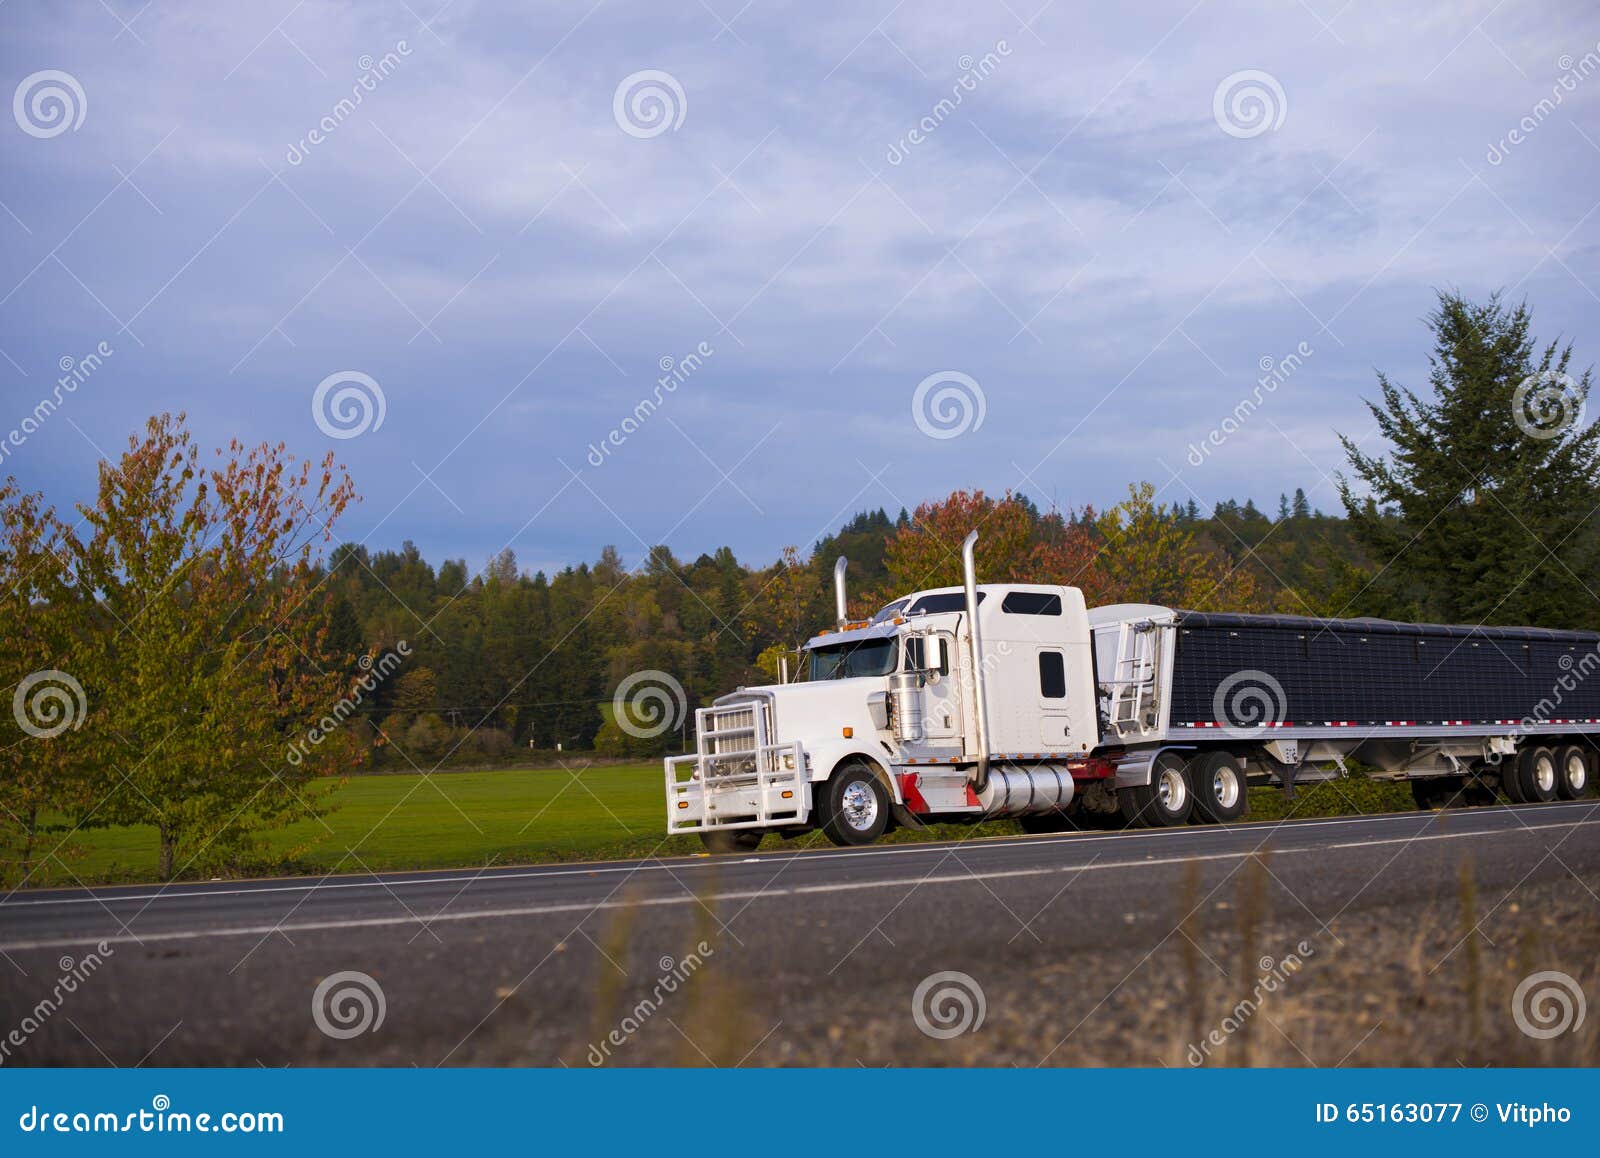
x: 1225, y: 787
x: 1577, y: 772
x: 1172, y: 789
x: 859, y: 805
x: 1544, y: 773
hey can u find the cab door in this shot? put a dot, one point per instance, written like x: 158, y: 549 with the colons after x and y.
x: 941, y: 697
x: 1055, y: 708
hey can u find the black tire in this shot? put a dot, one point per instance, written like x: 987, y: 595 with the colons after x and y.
x: 1537, y: 775
x: 1442, y: 792
x: 1166, y: 801
x: 1425, y: 794
x: 1220, y: 792
x: 731, y: 840
x: 1574, y: 772
x: 1511, y: 778
x: 855, y: 806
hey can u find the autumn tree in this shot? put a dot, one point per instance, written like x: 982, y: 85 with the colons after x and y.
x: 214, y: 656
x: 1147, y: 555
x: 43, y: 787
x: 1015, y: 544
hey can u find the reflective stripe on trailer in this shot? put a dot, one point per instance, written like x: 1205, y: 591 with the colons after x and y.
x: 1384, y: 723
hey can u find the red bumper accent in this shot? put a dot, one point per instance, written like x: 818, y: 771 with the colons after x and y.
x: 909, y: 793
x: 1092, y: 769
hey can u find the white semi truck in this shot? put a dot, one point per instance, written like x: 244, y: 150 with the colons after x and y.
x: 1016, y: 700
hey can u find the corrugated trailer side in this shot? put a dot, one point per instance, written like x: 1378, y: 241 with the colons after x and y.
x: 1304, y: 677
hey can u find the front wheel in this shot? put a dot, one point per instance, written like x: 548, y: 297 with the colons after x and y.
x: 731, y: 840
x: 855, y: 807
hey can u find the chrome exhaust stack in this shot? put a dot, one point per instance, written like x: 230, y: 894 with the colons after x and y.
x: 969, y: 569
x: 839, y: 605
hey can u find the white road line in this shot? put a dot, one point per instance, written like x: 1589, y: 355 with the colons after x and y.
x: 185, y: 892
x: 740, y: 895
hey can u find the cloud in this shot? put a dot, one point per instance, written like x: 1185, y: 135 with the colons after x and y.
x: 476, y: 232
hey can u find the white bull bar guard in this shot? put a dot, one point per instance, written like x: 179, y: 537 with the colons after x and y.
x: 738, y: 777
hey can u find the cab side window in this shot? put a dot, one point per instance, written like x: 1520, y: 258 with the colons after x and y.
x: 1052, y: 675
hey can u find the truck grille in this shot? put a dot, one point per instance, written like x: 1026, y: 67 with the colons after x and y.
x: 731, y: 729
x: 734, y: 734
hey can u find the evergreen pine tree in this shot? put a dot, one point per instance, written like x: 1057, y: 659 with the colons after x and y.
x: 1483, y: 508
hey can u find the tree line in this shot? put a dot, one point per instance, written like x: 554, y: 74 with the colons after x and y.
x: 197, y: 652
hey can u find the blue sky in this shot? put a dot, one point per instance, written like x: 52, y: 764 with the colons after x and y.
x: 1096, y: 246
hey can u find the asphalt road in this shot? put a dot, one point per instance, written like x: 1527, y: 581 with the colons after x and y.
x: 773, y: 957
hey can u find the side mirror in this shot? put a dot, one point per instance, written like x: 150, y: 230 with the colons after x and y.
x: 933, y: 657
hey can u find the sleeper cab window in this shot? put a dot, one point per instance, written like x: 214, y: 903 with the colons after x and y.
x: 1031, y: 603
x: 1052, y: 676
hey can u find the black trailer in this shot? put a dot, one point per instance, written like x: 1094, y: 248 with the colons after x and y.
x: 1218, y: 699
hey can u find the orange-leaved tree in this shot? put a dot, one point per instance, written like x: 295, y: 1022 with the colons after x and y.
x: 44, y: 791
x: 210, y: 664
x: 1015, y: 544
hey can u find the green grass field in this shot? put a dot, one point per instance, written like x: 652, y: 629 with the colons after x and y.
x: 472, y: 819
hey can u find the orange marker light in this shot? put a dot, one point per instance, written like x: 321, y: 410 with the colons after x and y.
x: 848, y: 732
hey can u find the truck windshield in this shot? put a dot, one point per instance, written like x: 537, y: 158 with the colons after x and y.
x: 872, y: 657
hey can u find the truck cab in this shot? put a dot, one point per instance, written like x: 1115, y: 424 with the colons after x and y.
x: 899, y: 719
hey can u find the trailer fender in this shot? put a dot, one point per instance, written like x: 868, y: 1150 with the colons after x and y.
x: 1133, y: 770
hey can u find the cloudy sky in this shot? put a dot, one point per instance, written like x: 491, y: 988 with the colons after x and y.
x: 1028, y: 245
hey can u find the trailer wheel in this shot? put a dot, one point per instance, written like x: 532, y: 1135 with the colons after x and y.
x: 1573, y: 766
x: 1220, y: 793
x: 1536, y: 775
x: 1165, y: 802
x: 855, y: 807
x: 1511, y: 779
x: 721, y: 843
